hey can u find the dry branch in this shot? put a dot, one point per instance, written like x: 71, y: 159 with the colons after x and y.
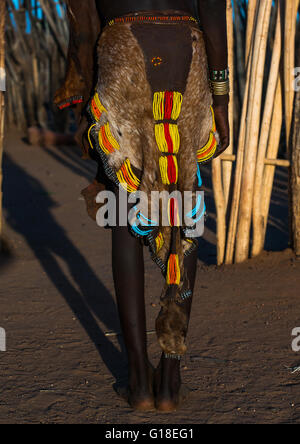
x: 2, y: 103
x: 258, y: 228
x: 291, y: 8
x: 227, y: 166
x: 252, y: 132
x: 295, y: 177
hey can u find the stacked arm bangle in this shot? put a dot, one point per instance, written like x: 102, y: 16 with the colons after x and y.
x: 220, y: 88
x: 219, y: 82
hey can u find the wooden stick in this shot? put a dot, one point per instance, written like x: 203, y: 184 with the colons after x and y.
x: 112, y: 334
x: 2, y: 103
x: 275, y: 162
x: 241, y: 143
x: 227, y: 166
x: 258, y: 230
x: 239, y: 162
x: 240, y: 53
x: 251, y: 15
x: 295, y: 178
x: 272, y: 152
x: 289, y: 62
x: 252, y: 133
x: 221, y: 172
x: 237, y: 179
x: 220, y: 208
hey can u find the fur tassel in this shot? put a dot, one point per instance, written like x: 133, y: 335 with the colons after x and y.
x: 171, y: 327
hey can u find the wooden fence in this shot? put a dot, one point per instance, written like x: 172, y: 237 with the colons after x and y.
x: 37, y: 38
x: 243, y: 195
x: 2, y: 107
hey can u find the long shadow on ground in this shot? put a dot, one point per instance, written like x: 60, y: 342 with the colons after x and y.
x: 28, y: 208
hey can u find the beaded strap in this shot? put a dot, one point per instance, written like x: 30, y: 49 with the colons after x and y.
x: 172, y: 356
x: 219, y: 75
x: 152, y: 18
x: 75, y: 100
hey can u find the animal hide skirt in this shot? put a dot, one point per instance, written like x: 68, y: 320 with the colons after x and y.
x: 152, y: 124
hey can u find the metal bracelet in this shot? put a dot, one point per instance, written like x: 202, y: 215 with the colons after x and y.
x: 219, y: 88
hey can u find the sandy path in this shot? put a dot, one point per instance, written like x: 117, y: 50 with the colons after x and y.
x: 57, y: 302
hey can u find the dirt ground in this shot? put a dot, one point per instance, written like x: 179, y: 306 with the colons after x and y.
x: 57, y: 302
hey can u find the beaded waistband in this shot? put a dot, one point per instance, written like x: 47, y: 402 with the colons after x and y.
x: 152, y: 19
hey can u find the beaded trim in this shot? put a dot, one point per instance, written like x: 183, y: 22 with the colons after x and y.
x: 159, y: 240
x: 156, y: 61
x: 75, y: 100
x: 194, y: 245
x: 152, y: 18
x: 205, y: 153
x: 96, y: 107
x: 172, y: 356
x: 186, y: 294
x: 219, y: 75
x: 167, y: 107
x: 129, y: 181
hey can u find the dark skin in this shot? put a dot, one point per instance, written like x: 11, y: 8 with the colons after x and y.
x: 161, y: 389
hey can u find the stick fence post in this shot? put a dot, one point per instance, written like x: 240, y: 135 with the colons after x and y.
x: 2, y: 102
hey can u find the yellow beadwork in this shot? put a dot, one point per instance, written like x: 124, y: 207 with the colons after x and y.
x: 161, y: 138
x: 89, y: 135
x: 207, y: 152
x: 163, y: 165
x: 96, y: 107
x: 107, y: 142
x: 177, y: 104
x: 128, y: 180
x: 159, y: 105
x: 214, y: 129
x: 99, y: 104
x: 159, y: 242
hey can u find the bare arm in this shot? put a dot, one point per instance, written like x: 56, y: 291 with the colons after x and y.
x: 84, y: 26
x: 213, y: 21
x: 212, y: 15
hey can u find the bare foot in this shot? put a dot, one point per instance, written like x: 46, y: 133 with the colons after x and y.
x: 49, y: 138
x: 35, y: 136
x: 42, y: 137
x: 139, y: 394
x: 168, y: 389
x: 56, y: 139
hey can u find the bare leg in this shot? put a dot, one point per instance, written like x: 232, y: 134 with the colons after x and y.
x: 168, y: 378
x: 128, y: 272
